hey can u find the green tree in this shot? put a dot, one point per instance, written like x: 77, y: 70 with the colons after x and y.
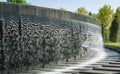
x: 62, y: 8
x: 18, y: 1
x: 118, y: 15
x: 114, y: 29
x: 90, y: 14
x: 94, y: 15
x: 105, y: 16
x: 82, y: 10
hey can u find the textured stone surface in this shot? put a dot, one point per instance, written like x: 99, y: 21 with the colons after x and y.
x: 34, y: 35
x: 17, y: 9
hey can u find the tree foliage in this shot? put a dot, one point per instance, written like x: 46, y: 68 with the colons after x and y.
x: 62, y: 8
x: 94, y: 15
x: 90, y: 14
x: 117, y: 15
x: 18, y: 1
x: 114, y: 29
x: 105, y: 16
x: 82, y: 10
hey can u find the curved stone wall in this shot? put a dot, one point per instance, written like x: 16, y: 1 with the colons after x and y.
x: 17, y: 9
x: 30, y: 34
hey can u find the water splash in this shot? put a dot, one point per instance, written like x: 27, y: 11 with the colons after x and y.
x: 99, y: 56
x: 94, y: 43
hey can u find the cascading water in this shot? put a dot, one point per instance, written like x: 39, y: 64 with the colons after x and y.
x: 94, y: 45
x: 36, y: 35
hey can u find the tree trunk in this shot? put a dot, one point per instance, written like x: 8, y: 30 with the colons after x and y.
x: 103, y: 33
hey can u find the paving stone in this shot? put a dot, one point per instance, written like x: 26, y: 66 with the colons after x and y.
x: 111, y: 65
x: 107, y: 69
x: 114, y: 62
x: 97, y: 72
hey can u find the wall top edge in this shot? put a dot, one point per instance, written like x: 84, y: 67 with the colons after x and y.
x: 19, y: 9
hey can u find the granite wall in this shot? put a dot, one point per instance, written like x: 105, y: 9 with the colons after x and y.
x: 31, y: 35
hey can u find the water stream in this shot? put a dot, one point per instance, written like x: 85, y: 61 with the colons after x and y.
x: 47, y: 35
x: 94, y: 46
x: 99, y: 56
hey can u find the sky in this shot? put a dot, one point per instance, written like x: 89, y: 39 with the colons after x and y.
x: 72, y: 5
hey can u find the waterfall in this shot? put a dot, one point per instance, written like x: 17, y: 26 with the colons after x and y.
x: 94, y: 36
x: 94, y: 45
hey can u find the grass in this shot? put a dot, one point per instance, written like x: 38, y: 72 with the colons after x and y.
x: 112, y: 44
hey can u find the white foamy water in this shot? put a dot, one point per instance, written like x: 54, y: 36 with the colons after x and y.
x: 94, y: 43
x: 100, y: 54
